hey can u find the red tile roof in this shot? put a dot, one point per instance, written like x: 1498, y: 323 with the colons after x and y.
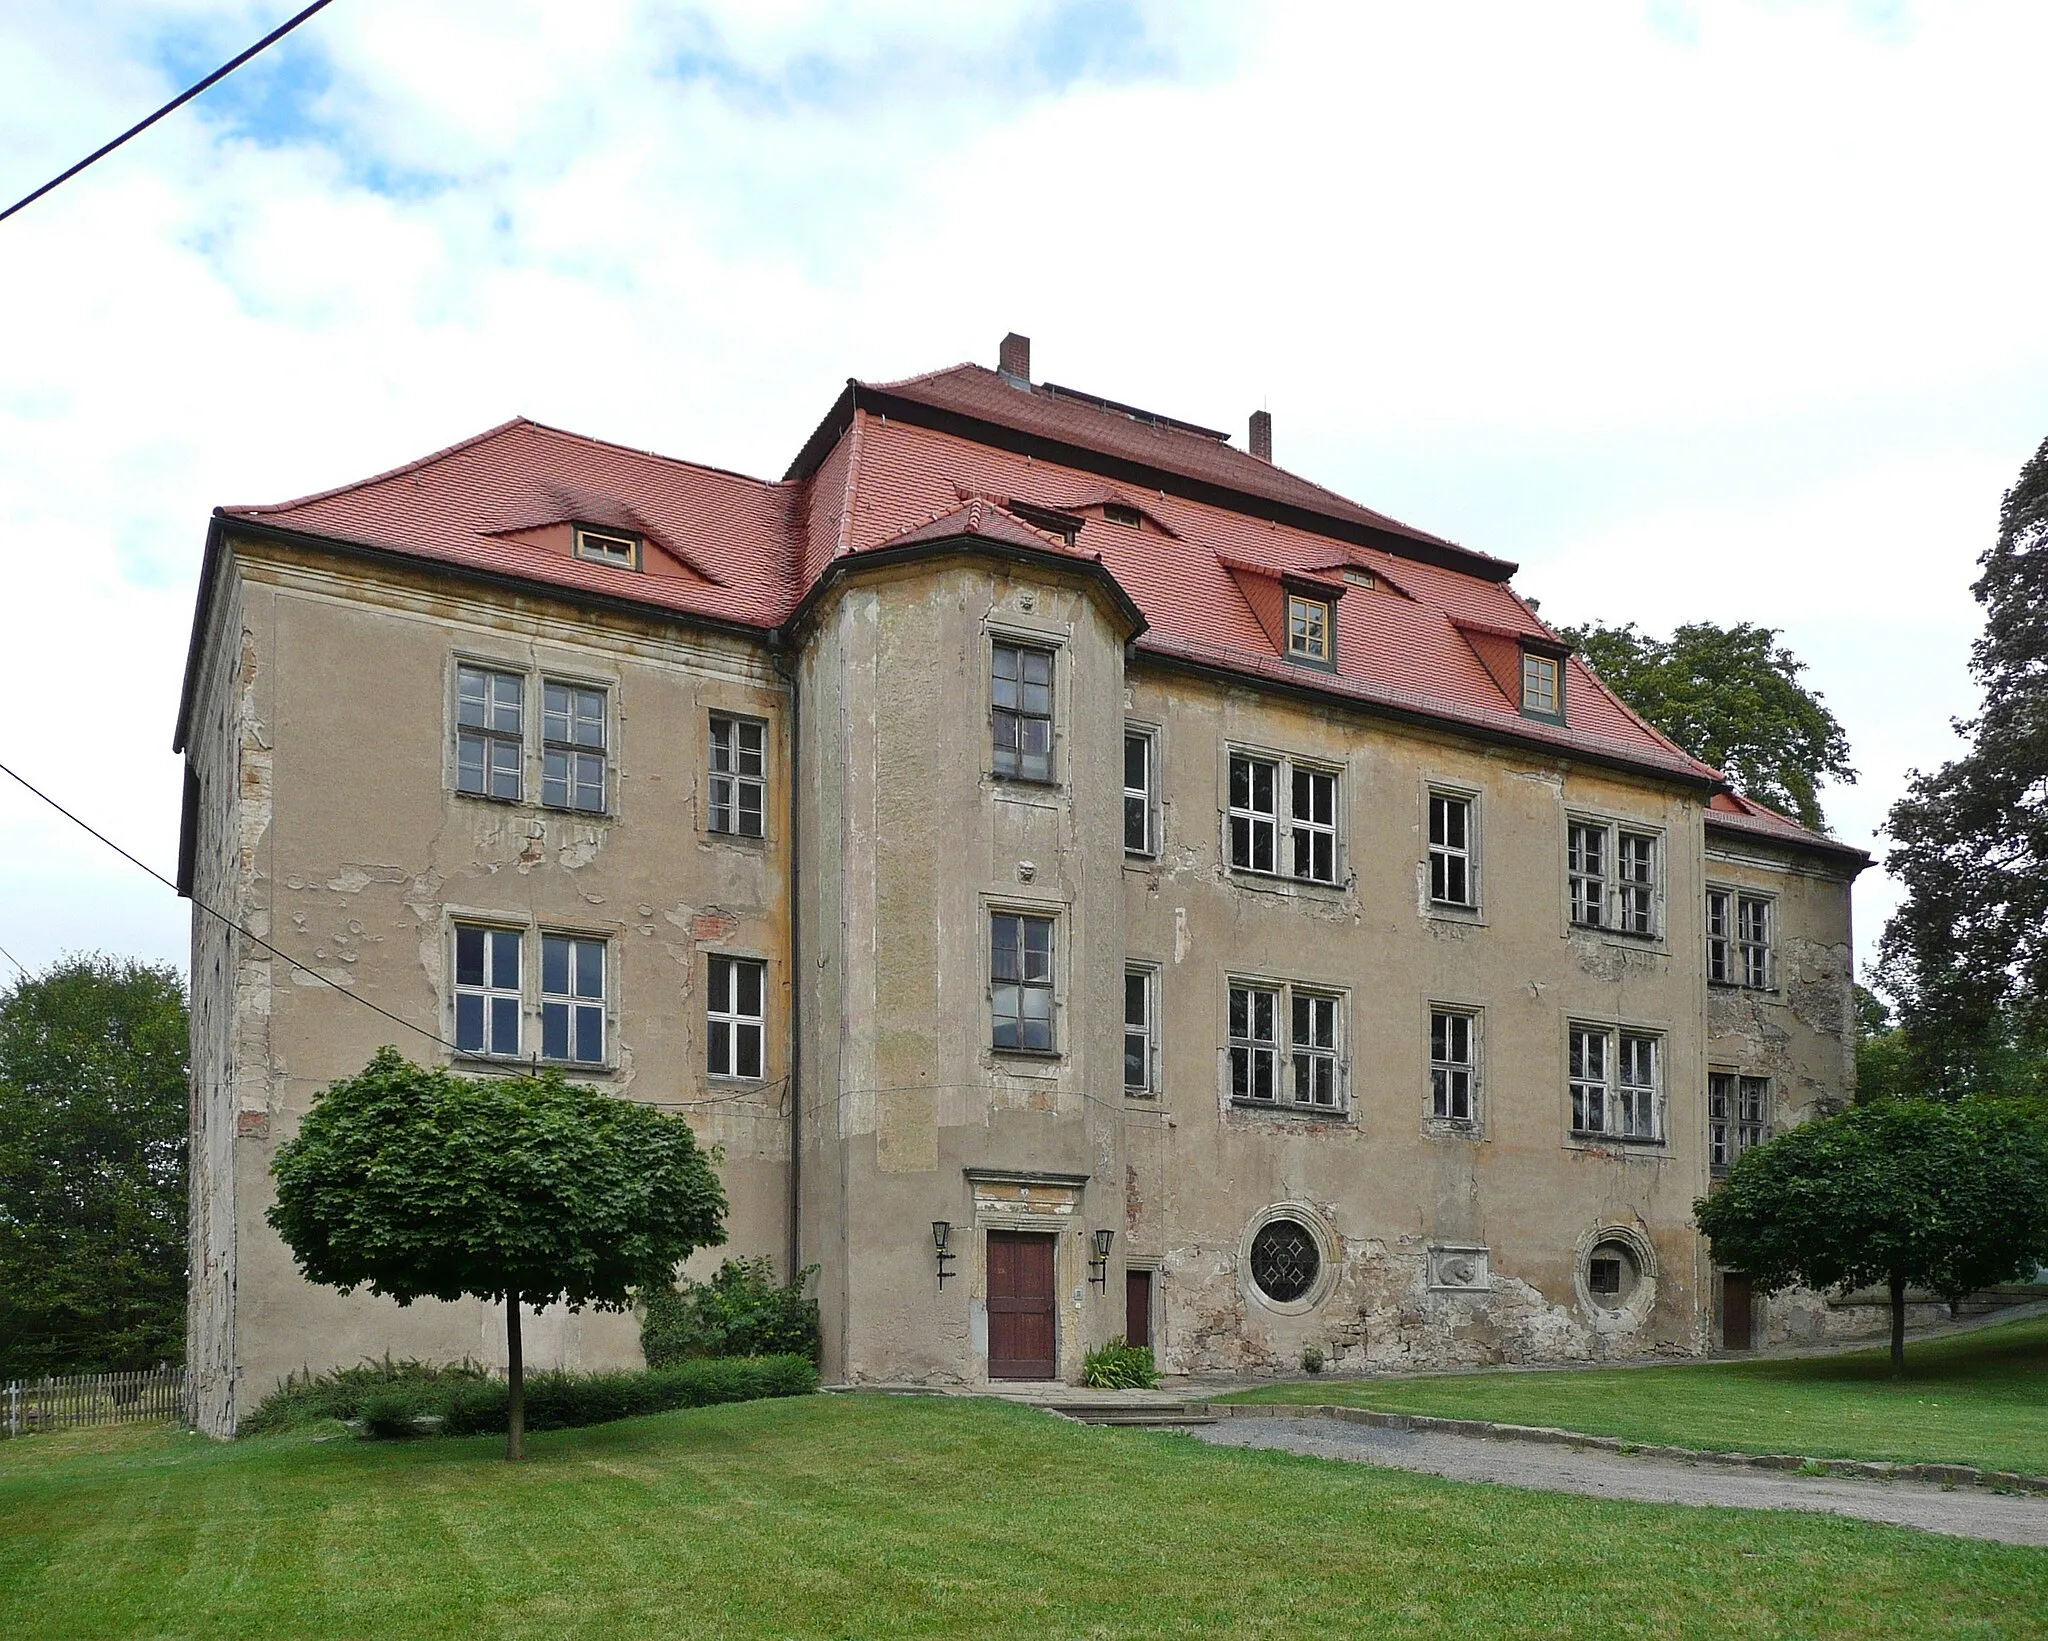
x: 724, y: 547
x: 1732, y: 812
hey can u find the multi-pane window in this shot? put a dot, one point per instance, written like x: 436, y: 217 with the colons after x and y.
x: 1736, y: 1120
x: 1451, y: 878
x: 1738, y: 939
x: 1614, y: 877
x: 1453, y: 1065
x: 490, y: 736
x: 1257, y: 819
x: 606, y: 547
x: 1616, y: 1081
x: 572, y: 999
x: 1314, y: 1048
x: 572, y: 746
x: 1141, y: 1031
x: 733, y: 1014
x: 1308, y: 628
x: 1140, y: 749
x: 1020, y: 974
x: 487, y: 983
x: 1021, y: 694
x: 1540, y: 685
x: 739, y: 775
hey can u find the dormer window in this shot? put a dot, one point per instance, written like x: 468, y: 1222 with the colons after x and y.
x: 1308, y: 628
x: 1114, y: 512
x: 1542, y: 686
x: 1364, y: 580
x: 611, y: 547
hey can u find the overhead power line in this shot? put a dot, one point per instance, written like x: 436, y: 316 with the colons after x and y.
x: 176, y: 102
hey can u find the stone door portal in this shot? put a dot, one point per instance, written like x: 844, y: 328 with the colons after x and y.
x: 1022, y: 1343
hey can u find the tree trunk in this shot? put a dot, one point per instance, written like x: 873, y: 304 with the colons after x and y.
x: 1898, y: 1325
x: 515, y: 1375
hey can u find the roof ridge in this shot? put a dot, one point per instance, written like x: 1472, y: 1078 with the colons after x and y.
x: 651, y: 455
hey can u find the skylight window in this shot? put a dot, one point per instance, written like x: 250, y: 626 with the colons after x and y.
x: 608, y: 547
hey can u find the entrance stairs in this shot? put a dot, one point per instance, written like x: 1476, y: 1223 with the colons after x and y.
x: 1130, y: 1410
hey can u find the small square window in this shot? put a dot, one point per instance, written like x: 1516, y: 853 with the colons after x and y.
x: 608, y: 547
x: 1308, y: 628
x: 1604, y: 1275
x: 1540, y: 686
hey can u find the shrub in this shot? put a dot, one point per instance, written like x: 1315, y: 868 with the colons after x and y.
x: 742, y: 1311
x: 1311, y: 1358
x: 340, y: 1394
x: 562, y: 1401
x: 390, y: 1412
x: 1118, y: 1366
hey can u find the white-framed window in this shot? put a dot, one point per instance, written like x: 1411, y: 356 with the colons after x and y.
x: 573, y: 736
x: 572, y: 999
x: 613, y: 547
x: 1141, y: 1031
x: 1310, y: 634
x: 1021, y: 981
x: 490, y: 732
x: 1453, y: 864
x: 1308, y: 1069
x: 1616, y: 1083
x: 1739, y: 939
x: 739, y: 775
x: 1720, y: 937
x: 1542, y: 686
x: 734, y: 1015
x: 488, y: 987
x: 1272, y: 799
x: 1453, y: 1065
x: 1615, y: 876
x: 1020, y: 695
x: 1738, y: 1115
x: 1141, y: 781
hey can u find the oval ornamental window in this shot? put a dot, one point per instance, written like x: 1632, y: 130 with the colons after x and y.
x: 1285, y: 1260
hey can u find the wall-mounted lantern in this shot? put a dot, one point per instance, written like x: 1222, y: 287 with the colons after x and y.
x: 942, y: 1232
x: 1098, y: 1261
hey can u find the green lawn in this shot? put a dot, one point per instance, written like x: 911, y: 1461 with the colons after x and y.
x: 877, y: 1516
x: 1974, y: 1398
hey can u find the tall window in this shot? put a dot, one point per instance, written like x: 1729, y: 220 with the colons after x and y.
x: 1141, y: 1031
x: 1720, y: 942
x: 572, y: 999
x: 1020, y: 971
x: 572, y: 746
x: 1540, y: 686
x: 490, y: 736
x: 487, y: 988
x: 1021, y: 693
x: 1736, y: 1115
x: 1453, y: 1065
x: 733, y: 1014
x: 1738, y: 939
x: 1616, y: 1081
x: 1313, y: 1050
x: 1450, y: 850
x: 1614, y: 875
x: 1140, y: 747
x: 1257, y: 818
x: 739, y: 775
x: 1308, y: 628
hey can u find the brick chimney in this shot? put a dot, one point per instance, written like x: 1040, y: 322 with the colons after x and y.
x: 1014, y: 359
x: 1262, y: 435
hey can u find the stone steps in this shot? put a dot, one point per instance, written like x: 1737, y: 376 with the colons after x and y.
x: 1130, y: 1415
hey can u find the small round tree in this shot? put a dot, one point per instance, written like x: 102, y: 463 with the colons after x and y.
x: 419, y: 1184
x: 1946, y: 1196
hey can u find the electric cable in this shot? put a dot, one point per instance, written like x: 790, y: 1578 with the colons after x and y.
x: 175, y: 103
x: 17, y: 962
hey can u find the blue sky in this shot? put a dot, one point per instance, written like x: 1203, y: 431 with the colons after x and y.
x: 1699, y: 312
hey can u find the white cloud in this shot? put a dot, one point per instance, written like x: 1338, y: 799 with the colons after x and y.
x: 1730, y: 311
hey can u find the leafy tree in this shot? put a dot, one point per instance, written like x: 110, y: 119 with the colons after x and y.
x: 93, y: 1057
x: 1966, y: 954
x: 1950, y: 1196
x: 1730, y: 696
x: 1884, y: 1065
x: 419, y: 1184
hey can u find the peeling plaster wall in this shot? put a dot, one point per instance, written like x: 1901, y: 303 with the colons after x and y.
x: 358, y: 856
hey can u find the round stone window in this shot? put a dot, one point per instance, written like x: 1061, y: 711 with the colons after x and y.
x: 1285, y: 1260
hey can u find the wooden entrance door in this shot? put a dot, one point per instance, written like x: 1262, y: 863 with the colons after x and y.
x: 1021, y: 1339
x: 1137, y: 1307
x: 1735, y: 1312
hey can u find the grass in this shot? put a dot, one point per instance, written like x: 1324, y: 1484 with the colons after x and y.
x: 1975, y: 1398
x: 874, y: 1516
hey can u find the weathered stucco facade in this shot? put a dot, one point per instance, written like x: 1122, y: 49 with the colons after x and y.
x: 861, y: 627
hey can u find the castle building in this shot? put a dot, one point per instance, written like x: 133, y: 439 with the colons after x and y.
x: 1087, y: 880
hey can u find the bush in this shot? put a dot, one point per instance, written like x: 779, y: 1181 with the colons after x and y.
x: 391, y: 1412
x: 562, y: 1401
x: 1118, y: 1366
x: 299, y: 1402
x: 1311, y: 1358
x: 742, y: 1311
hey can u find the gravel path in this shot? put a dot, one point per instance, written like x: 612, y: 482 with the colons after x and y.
x: 1965, y: 1512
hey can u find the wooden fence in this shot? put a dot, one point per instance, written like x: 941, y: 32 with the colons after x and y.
x: 91, y: 1398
